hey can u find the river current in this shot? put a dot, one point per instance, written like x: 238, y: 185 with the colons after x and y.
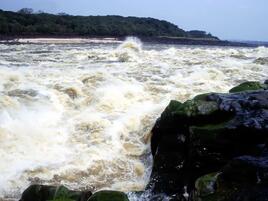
x: 81, y: 114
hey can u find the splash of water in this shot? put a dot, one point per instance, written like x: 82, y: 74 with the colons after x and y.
x: 129, y: 50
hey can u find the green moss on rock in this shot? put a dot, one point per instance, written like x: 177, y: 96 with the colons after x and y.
x: 247, y: 86
x: 208, y: 132
x: 108, y: 196
x: 193, y: 108
x: 205, y: 185
x: 202, y: 97
x: 172, y: 106
x: 219, y: 196
x: 64, y: 194
x: 38, y: 193
x: 53, y: 193
x: 208, y: 188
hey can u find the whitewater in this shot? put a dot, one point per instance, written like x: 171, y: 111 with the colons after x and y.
x: 80, y: 114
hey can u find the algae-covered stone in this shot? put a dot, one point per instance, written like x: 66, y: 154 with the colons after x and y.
x: 246, y: 86
x: 53, y: 193
x: 38, y: 193
x: 202, y: 97
x: 193, y: 108
x: 190, y: 108
x: 209, y: 132
x: 64, y: 194
x: 109, y: 196
x: 206, y: 185
x: 243, y: 179
x: 168, y: 112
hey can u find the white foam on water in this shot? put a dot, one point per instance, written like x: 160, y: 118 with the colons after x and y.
x: 81, y: 115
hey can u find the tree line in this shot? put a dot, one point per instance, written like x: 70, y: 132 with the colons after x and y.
x: 26, y: 22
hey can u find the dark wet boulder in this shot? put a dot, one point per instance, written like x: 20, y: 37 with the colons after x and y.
x: 202, y: 135
x: 206, y: 185
x: 242, y: 179
x: 53, y: 193
x: 246, y: 170
x: 109, y: 196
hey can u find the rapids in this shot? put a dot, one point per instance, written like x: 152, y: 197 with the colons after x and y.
x: 81, y: 114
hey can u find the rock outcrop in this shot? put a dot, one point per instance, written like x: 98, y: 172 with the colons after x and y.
x: 197, y: 144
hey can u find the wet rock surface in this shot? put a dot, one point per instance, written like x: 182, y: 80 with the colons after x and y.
x: 53, y: 193
x: 108, y: 196
x: 61, y: 193
x: 204, y: 146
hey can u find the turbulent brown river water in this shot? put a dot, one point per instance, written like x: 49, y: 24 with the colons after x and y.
x: 81, y: 114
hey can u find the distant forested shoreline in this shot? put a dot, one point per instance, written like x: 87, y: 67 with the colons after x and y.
x: 26, y: 23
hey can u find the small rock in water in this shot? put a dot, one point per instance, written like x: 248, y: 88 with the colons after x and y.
x: 261, y: 61
x: 23, y: 93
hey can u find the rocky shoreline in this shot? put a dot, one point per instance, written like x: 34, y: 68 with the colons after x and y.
x: 210, y: 148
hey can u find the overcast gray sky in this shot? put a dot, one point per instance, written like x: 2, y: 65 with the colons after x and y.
x: 227, y: 19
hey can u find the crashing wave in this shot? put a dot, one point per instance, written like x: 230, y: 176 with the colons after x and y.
x: 129, y: 50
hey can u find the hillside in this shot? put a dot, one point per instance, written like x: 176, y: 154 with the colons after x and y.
x: 24, y: 23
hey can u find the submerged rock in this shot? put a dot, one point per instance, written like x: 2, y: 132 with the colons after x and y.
x: 203, y: 135
x: 23, y: 93
x: 261, y: 61
x: 53, y: 193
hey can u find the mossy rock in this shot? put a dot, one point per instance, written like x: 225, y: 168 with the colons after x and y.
x: 53, y: 193
x: 219, y: 196
x: 172, y: 106
x: 207, y: 188
x: 109, y: 196
x: 38, y: 193
x: 64, y: 194
x: 247, y: 86
x: 193, y: 108
x: 202, y: 97
x: 203, y: 135
x: 205, y: 185
x: 209, y: 132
